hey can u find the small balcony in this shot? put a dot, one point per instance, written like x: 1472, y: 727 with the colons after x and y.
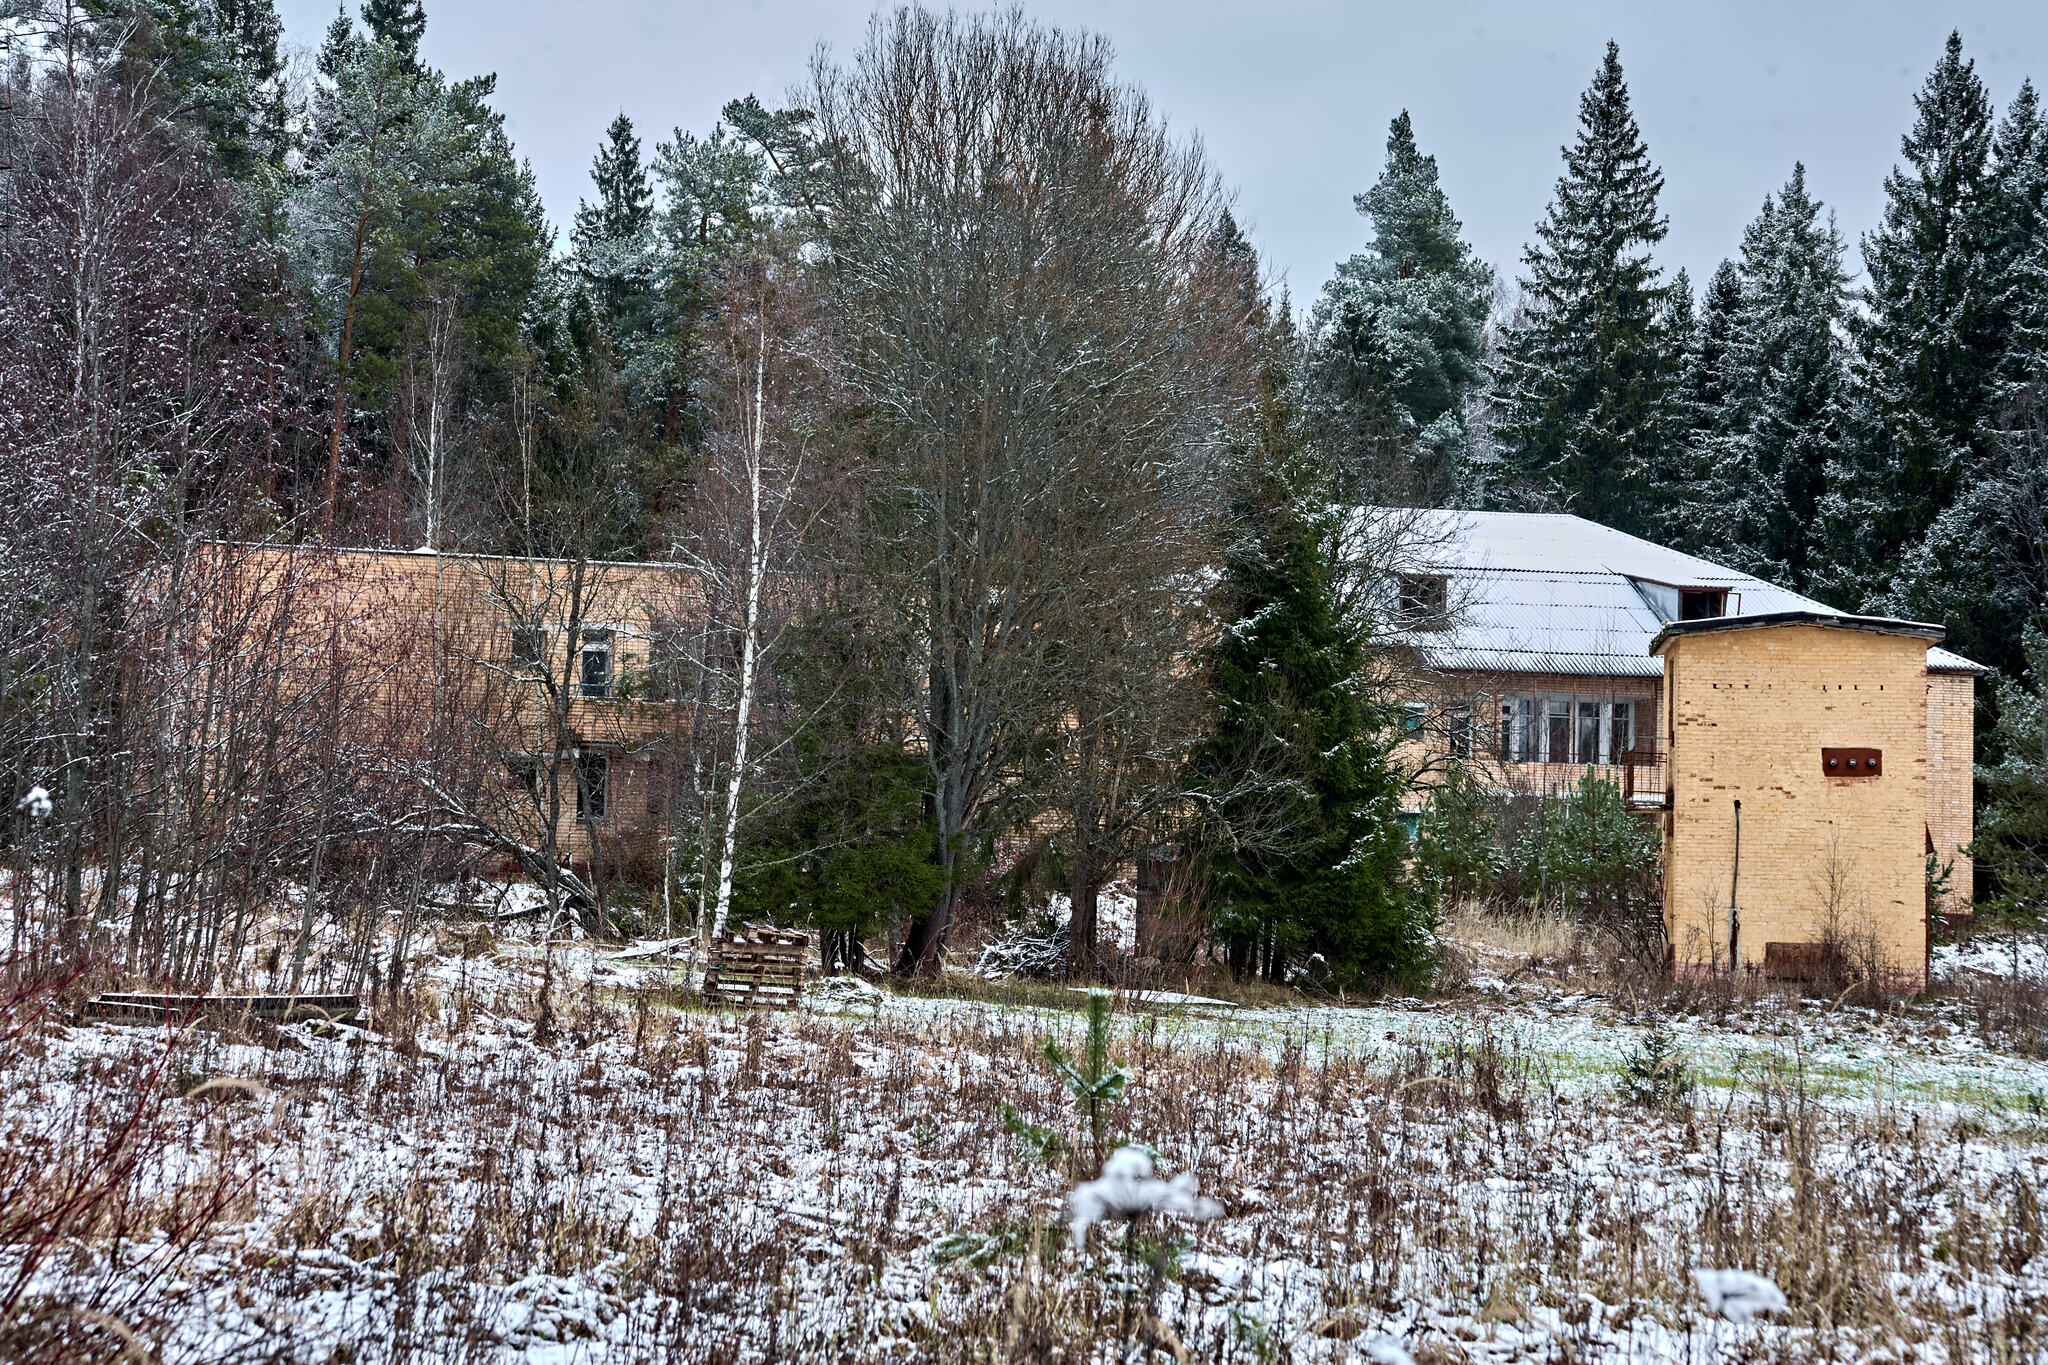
x: 1639, y: 772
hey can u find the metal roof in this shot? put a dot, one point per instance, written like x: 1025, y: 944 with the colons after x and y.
x: 1554, y: 593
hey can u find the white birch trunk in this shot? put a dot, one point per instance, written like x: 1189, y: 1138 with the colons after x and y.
x: 749, y: 646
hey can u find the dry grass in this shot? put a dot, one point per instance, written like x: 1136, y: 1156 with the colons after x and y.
x: 695, y: 1186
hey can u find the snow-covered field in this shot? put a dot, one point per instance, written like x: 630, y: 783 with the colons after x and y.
x: 1451, y: 1180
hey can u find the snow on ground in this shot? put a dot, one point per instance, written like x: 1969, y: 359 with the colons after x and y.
x: 1442, y: 1180
x: 1994, y: 955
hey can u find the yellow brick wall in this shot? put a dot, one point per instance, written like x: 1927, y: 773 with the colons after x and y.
x: 1951, y: 791
x: 1748, y: 712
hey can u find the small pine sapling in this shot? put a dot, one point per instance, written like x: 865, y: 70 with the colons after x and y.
x: 1095, y: 1082
x: 1655, y: 1074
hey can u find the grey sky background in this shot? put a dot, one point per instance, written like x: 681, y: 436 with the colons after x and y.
x: 1293, y: 100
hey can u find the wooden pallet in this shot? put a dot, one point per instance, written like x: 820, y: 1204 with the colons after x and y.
x: 760, y: 967
x: 274, y: 1009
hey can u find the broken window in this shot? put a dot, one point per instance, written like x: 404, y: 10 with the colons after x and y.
x: 1697, y: 604
x: 593, y: 785
x: 1517, y: 728
x: 1460, y: 719
x: 1424, y: 600
x: 1589, y: 732
x: 1621, y: 735
x: 1556, y: 738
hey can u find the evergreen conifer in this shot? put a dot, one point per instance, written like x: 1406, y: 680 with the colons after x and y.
x: 1400, y: 334
x: 1308, y: 854
x: 1586, y: 381
x: 1927, y: 353
x: 1764, y: 391
x: 613, y: 238
x: 2011, y: 846
x: 401, y: 23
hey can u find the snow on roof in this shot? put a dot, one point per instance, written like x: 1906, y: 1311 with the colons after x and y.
x: 1554, y: 593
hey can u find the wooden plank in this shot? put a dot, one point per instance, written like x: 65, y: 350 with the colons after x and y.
x: 276, y: 1009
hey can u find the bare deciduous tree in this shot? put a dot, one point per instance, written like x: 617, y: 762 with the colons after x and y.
x: 1013, y: 240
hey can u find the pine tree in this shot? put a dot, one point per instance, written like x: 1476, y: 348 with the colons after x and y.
x: 401, y: 23
x: 1586, y: 381
x: 1927, y: 359
x: 1307, y: 855
x: 410, y: 193
x: 1400, y: 333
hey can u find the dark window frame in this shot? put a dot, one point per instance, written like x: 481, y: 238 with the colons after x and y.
x: 595, y: 644
x: 1702, y: 604
x: 1422, y: 600
x: 593, y: 786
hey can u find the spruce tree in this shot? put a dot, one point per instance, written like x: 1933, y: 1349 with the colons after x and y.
x: 1399, y: 335
x: 401, y: 23
x: 1307, y: 855
x: 215, y: 64
x: 1763, y: 395
x: 1927, y: 355
x: 2020, y: 244
x: 613, y: 237
x: 1586, y: 380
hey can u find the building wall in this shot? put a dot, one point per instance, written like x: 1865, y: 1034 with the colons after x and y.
x: 420, y: 650
x: 1822, y: 858
x: 1951, y: 780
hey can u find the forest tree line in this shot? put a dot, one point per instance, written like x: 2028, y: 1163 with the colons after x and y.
x: 1013, y: 490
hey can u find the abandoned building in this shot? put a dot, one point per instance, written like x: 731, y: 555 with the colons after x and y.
x: 1546, y: 647
x: 539, y: 696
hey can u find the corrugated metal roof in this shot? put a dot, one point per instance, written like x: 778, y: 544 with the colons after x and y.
x: 1553, y: 593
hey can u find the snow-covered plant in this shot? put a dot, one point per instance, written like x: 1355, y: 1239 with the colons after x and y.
x: 35, y: 804
x: 1038, y: 949
x: 1128, y: 1189
x: 1737, y: 1295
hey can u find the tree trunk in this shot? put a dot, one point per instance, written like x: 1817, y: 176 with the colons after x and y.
x: 338, y: 418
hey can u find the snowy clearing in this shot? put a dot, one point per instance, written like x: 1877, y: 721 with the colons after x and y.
x: 1447, y: 1180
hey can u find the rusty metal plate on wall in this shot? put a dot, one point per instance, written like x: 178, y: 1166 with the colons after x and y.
x: 1852, y: 762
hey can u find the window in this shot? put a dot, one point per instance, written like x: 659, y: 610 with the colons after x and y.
x: 1697, y: 604
x: 1412, y: 716
x: 1424, y: 600
x: 1517, y: 728
x: 1565, y: 728
x: 525, y: 770
x: 1589, y: 732
x: 1460, y: 718
x: 529, y: 645
x: 593, y: 785
x: 596, y: 671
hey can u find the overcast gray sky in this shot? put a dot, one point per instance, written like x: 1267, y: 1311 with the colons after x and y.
x: 1293, y: 99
